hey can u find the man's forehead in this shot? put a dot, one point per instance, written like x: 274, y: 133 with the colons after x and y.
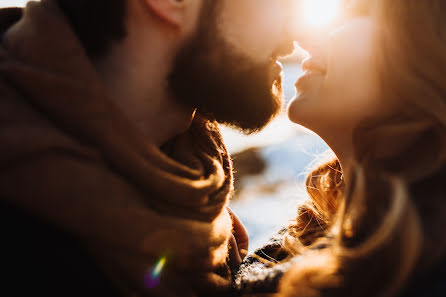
x: 254, y: 28
x: 259, y: 3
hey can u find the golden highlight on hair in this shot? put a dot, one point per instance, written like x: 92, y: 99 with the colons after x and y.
x: 386, y: 227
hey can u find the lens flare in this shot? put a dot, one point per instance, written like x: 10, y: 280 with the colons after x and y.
x: 318, y: 13
x: 153, y: 276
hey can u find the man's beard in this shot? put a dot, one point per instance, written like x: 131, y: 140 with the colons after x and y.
x: 223, y: 85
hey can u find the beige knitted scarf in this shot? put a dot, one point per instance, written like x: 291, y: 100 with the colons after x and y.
x: 154, y: 220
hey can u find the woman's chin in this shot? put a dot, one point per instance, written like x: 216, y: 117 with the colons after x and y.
x: 302, y: 110
x: 294, y: 109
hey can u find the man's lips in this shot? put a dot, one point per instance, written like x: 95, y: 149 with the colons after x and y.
x: 277, y: 67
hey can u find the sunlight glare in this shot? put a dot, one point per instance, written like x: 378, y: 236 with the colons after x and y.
x: 12, y: 3
x: 319, y: 13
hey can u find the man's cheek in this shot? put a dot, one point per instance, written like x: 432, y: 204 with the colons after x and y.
x: 255, y: 33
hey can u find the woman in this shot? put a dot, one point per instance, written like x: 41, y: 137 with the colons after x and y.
x: 375, y: 91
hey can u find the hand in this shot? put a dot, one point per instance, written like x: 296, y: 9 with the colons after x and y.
x: 239, y: 241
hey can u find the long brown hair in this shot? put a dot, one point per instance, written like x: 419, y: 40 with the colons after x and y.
x: 371, y: 237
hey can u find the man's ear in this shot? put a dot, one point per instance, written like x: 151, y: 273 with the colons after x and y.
x: 171, y: 11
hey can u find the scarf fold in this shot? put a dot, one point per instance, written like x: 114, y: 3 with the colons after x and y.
x: 70, y: 156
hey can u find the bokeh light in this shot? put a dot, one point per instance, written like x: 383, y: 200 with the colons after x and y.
x: 153, y: 276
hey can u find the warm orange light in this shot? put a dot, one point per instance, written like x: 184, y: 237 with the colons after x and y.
x: 319, y: 13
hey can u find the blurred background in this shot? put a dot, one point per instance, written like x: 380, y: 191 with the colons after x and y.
x: 271, y: 166
x: 7, y: 3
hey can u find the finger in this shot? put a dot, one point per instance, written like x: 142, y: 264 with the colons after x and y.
x: 240, y: 234
x: 234, y: 255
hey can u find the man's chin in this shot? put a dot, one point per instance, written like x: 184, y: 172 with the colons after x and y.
x: 254, y: 117
x: 230, y: 89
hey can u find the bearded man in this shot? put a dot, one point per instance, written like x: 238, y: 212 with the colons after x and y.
x: 114, y: 179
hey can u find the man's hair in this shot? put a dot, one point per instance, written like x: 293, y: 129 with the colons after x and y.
x: 97, y: 23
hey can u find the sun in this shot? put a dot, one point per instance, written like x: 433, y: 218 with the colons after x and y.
x: 319, y: 13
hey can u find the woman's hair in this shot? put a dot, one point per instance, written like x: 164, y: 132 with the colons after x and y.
x: 387, y: 227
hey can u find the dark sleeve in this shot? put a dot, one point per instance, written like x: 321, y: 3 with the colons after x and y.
x: 40, y: 254
x: 8, y: 17
x: 40, y: 259
x: 431, y: 284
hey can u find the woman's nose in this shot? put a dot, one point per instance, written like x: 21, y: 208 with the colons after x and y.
x: 317, y: 58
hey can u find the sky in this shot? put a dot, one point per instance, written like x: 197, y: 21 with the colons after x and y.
x: 8, y: 3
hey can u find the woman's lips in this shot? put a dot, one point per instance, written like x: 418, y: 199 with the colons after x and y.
x: 312, y: 71
x: 308, y: 79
